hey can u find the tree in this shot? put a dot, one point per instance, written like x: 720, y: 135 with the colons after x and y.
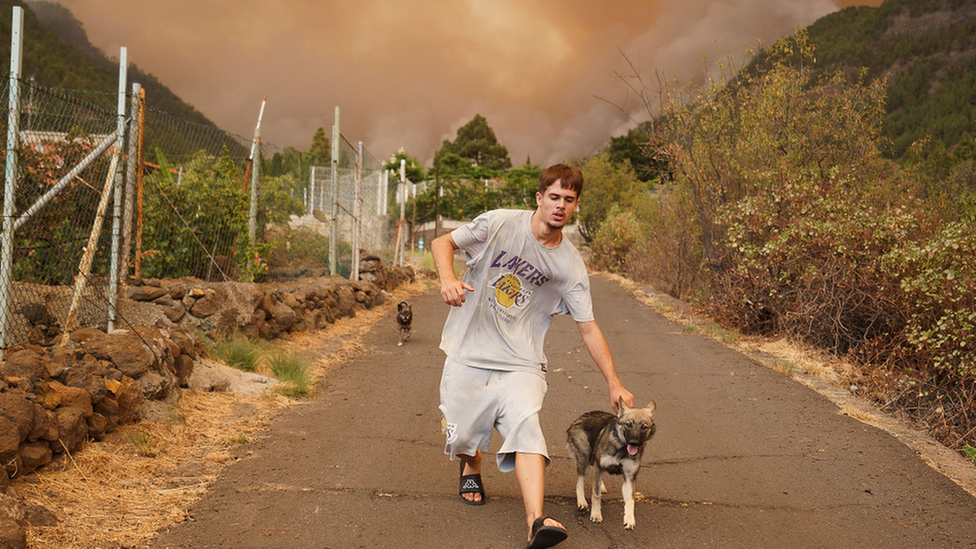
x: 519, y: 187
x: 320, y: 152
x: 636, y: 147
x: 477, y: 143
x: 606, y: 184
x: 414, y: 169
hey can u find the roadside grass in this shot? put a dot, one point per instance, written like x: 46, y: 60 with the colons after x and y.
x: 239, y: 352
x: 292, y: 371
x: 142, y: 441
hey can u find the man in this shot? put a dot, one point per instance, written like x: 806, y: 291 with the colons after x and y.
x: 521, y: 271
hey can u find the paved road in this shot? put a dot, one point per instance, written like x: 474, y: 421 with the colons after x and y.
x: 744, y: 457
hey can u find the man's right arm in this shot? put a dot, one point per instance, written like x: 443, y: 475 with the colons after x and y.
x: 452, y: 289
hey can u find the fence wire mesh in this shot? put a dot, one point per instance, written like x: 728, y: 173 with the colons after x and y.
x: 190, y: 189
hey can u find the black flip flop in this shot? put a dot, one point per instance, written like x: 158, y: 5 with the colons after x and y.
x: 545, y: 536
x: 470, y: 484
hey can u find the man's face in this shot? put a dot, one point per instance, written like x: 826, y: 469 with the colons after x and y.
x: 556, y: 205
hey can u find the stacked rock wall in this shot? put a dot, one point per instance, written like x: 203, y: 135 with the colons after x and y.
x: 56, y: 395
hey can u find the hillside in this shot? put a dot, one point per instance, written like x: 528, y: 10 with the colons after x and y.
x: 927, y: 51
x: 57, y: 54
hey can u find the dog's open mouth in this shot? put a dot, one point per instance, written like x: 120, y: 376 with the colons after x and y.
x: 632, y: 449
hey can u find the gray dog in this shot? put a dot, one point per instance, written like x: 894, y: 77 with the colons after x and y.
x: 614, y: 444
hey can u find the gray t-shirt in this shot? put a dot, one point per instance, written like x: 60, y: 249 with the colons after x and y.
x: 518, y: 285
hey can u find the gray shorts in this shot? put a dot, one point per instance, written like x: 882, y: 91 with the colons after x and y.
x: 475, y: 400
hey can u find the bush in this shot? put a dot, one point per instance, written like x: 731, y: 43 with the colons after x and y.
x: 615, y: 240
x: 938, y: 291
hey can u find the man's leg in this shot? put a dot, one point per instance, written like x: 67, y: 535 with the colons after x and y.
x: 531, y: 472
x: 472, y: 466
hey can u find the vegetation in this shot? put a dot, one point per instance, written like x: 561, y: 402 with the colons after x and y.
x: 239, y: 352
x: 780, y: 214
x: 292, y: 371
x: 476, y: 142
x: 927, y: 63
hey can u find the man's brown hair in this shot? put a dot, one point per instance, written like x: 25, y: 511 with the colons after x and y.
x: 569, y: 177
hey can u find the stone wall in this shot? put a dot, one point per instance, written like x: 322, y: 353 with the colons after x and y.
x: 55, y: 395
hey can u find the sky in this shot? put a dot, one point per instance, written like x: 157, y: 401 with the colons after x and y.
x: 551, y: 77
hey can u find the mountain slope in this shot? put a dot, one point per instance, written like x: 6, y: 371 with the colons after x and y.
x: 926, y: 49
x: 57, y: 54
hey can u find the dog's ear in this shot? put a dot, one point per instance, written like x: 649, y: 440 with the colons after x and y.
x: 621, y: 407
x: 651, y: 406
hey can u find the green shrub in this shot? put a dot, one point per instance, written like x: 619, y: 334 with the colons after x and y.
x: 938, y: 287
x: 614, y: 242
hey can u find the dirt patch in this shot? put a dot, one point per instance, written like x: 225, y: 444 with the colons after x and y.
x: 121, y: 491
x: 819, y: 371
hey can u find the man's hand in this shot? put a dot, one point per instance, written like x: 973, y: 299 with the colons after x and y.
x: 617, y: 391
x: 453, y: 292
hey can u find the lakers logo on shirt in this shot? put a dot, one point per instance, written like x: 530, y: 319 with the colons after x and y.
x: 509, y: 291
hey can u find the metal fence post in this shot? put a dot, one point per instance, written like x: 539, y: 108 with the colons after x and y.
x: 334, y: 217
x: 357, y: 212
x: 130, y: 183
x: 10, y: 177
x: 113, y: 280
x: 139, y: 182
x: 402, y: 233
x: 310, y: 202
x: 252, y: 217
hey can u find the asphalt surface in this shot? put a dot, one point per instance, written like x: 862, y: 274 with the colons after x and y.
x: 744, y: 457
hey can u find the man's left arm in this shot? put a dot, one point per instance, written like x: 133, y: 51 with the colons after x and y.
x: 597, y: 346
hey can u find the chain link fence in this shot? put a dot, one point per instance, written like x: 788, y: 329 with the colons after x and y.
x: 173, y: 201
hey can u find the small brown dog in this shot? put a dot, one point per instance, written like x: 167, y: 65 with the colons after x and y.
x: 404, y: 320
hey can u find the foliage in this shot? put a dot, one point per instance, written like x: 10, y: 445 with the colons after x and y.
x: 938, y: 285
x: 476, y: 142
x: 213, y: 212
x: 414, y: 169
x: 931, y: 88
x: 49, y: 248
x: 605, y: 184
x: 614, y: 242
x: 784, y: 217
x: 636, y: 147
x: 520, y: 186
x: 794, y: 204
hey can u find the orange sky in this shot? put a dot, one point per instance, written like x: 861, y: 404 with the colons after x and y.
x: 409, y: 73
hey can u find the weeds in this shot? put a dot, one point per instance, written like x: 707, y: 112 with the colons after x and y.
x: 142, y: 441
x: 292, y: 371
x: 239, y: 438
x: 238, y: 352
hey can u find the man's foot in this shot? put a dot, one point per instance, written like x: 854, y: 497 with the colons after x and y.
x: 471, y: 489
x: 545, y: 532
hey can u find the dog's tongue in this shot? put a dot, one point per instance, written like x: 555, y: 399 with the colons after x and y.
x: 632, y: 449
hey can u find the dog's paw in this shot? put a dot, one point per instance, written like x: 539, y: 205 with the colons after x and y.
x: 596, y: 517
x: 582, y: 506
x: 603, y: 487
x: 399, y: 344
x: 629, y: 525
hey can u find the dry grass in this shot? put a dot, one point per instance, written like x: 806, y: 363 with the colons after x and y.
x: 119, y: 492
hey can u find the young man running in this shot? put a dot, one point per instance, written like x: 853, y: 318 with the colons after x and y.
x: 521, y: 272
